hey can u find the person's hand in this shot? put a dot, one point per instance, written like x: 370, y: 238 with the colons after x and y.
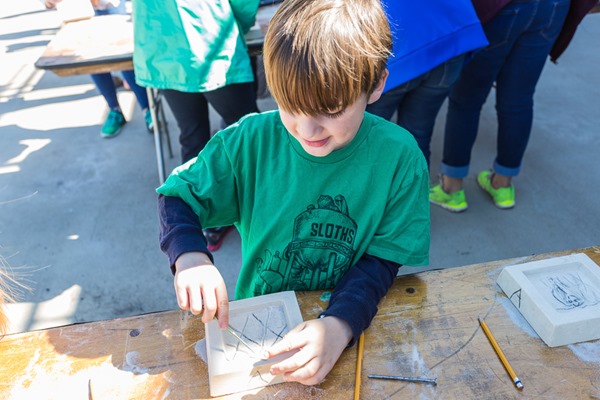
x: 200, y: 288
x: 51, y: 3
x: 320, y: 343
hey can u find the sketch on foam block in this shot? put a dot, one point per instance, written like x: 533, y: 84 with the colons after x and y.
x: 559, y: 297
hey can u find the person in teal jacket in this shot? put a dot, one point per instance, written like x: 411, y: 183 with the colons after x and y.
x: 196, y: 54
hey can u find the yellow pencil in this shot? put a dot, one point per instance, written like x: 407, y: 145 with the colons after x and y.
x: 361, y: 350
x: 511, y: 372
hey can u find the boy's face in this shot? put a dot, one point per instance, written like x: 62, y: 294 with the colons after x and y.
x: 323, y: 134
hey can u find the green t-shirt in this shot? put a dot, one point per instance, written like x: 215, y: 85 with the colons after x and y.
x: 305, y: 220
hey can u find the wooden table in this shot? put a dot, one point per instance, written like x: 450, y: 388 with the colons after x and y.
x: 105, y: 44
x: 426, y: 326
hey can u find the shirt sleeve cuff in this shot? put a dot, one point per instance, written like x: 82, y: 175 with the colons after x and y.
x: 180, y: 230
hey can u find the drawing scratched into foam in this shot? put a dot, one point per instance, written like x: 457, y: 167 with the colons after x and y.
x: 516, y: 295
x: 569, y: 291
x: 260, y: 322
x: 261, y: 328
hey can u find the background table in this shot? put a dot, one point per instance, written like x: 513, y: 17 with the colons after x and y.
x: 105, y: 44
x: 426, y: 326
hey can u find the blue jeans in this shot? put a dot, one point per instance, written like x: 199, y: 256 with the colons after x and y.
x: 520, y: 37
x: 106, y: 87
x: 419, y: 100
x: 104, y: 82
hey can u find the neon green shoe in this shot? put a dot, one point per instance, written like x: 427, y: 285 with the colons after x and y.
x: 503, y: 197
x: 113, y: 124
x: 454, y: 202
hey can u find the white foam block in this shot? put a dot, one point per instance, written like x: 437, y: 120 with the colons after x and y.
x: 261, y: 322
x: 559, y: 297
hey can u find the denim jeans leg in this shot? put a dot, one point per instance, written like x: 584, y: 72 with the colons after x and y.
x: 517, y: 81
x: 106, y: 87
x: 473, y: 87
x: 140, y: 93
x: 420, y: 107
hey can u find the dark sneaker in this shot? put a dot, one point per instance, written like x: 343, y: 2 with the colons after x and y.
x: 215, y: 236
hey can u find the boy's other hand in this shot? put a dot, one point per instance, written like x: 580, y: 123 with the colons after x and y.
x: 320, y: 343
x: 200, y: 288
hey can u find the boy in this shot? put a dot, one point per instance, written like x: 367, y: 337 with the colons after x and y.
x: 323, y: 194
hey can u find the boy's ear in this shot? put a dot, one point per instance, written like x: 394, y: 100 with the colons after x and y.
x: 378, y: 88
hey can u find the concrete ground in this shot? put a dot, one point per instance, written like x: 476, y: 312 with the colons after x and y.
x: 78, y: 221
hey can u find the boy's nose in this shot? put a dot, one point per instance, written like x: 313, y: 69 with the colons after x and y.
x: 308, y: 128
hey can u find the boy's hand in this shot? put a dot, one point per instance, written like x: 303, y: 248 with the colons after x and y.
x: 320, y: 343
x: 200, y: 288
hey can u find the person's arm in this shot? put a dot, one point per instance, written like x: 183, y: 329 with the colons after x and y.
x: 199, y: 286
x: 320, y: 342
x: 357, y: 294
x: 245, y: 13
x: 180, y: 229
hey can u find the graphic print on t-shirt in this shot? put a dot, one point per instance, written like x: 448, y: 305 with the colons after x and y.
x: 319, y: 253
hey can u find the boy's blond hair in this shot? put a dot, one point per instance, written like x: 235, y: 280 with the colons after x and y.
x: 321, y: 55
x: 10, y: 290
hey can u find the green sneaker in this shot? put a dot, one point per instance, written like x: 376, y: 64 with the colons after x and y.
x: 503, y: 197
x: 454, y: 202
x: 113, y: 124
x: 148, y: 120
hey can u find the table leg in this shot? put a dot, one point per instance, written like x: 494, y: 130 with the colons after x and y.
x: 159, y: 126
x: 162, y: 120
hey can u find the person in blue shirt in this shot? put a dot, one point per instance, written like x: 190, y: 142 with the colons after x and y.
x: 430, y: 43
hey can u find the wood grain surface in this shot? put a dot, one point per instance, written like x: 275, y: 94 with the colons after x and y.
x: 105, y: 43
x: 426, y: 326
